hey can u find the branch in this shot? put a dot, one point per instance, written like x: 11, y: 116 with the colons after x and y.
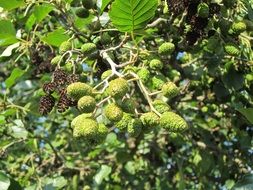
x: 156, y: 22
x: 145, y: 93
x: 113, y: 65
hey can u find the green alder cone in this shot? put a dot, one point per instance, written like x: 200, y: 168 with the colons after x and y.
x: 158, y: 81
x: 249, y: 25
x: 134, y: 128
x: 86, y: 104
x: 123, y: 123
x: 106, y: 74
x: 170, y: 90
x: 65, y: 46
x: 238, y: 27
x: 144, y: 74
x: 101, y: 134
x: 231, y: 50
x: 166, y: 48
x: 224, y: 26
x: 173, y: 122
x: 150, y: 119
x: 56, y: 60
x: 113, y: 112
x: 161, y: 106
x: 203, y: 10
x: 88, y: 48
x: 88, y: 4
x: 105, y: 38
x: 118, y: 88
x: 128, y: 105
x: 69, y: 67
x: 79, y: 118
x: 77, y: 90
x: 82, y: 13
x: 131, y: 69
x: 156, y: 64
x: 85, y: 127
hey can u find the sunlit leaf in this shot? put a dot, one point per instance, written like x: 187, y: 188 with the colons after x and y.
x: 131, y: 15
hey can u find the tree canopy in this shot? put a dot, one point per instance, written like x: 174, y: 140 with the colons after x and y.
x: 126, y: 94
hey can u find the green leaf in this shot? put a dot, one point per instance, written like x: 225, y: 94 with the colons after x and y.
x: 56, y: 37
x: 233, y: 80
x: 246, y: 183
x: 7, y: 33
x: 105, y: 3
x: 11, y: 4
x: 102, y: 174
x: 30, y: 22
x: 131, y: 15
x: 130, y: 167
x: 4, y: 181
x: 8, y: 51
x: 19, y: 131
x: 4, y: 143
x: 248, y: 113
x: 40, y: 12
x: 55, y: 183
x: 16, y: 73
x: 2, y: 120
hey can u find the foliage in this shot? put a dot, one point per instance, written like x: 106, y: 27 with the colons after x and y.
x: 126, y: 94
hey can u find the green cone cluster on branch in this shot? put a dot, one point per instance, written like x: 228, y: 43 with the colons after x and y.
x: 123, y: 112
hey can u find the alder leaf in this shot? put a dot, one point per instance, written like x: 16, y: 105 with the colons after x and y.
x: 131, y: 15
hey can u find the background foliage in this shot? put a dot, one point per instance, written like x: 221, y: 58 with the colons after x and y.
x: 216, y: 100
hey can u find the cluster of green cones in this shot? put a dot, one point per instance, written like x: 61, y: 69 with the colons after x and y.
x: 120, y: 113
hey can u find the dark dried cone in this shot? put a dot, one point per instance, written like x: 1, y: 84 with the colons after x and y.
x: 49, y: 87
x: 43, y: 67
x: 35, y: 58
x: 214, y: 8
x: 198, y: 23
x: 46, y: 104
x: 177, y: 6
x: 192, y: 37
x: 73, y: 78
x: 64, y: 102
x: 60, y: 77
